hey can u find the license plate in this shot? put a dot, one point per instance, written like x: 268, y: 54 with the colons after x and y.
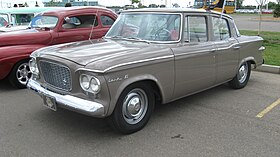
x: 50, y: 102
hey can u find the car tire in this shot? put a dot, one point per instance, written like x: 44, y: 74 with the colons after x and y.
x: 133, y: 109
x: 20, y: 74
x: 242, y: 77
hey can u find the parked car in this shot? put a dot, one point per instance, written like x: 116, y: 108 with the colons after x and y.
x: 12, y: 19
x: 53, y: 27
x: 148, y: 56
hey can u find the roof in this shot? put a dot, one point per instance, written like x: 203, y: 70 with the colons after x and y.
x: 175, y: 10
x: 67, y: 10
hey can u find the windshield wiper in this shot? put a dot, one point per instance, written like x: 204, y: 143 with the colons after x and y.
x: 138, y: 39
x: 115, y: 37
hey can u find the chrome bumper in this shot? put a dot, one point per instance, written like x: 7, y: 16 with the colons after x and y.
x: 67, y: 101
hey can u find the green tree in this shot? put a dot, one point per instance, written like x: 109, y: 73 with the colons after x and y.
x: 272, y: 5
x: 135, y: 1
x: 239, y: 3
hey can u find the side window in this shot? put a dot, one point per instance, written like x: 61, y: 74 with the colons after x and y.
x: 195, y: 29
x: 82, y: 21
x: 106, y: 20
x: 220, y: 28
x: 21, y: 19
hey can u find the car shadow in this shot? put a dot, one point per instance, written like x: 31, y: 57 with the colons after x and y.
x: 5, y: 85
x: 89, y: 127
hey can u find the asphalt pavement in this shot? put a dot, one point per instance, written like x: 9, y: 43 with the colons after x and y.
x: 217, y: 122
x: 251, y: 22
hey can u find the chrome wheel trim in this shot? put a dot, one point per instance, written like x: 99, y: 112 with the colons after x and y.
x: 23, y: 73
x: 135, y: 106
x: 242, y: 73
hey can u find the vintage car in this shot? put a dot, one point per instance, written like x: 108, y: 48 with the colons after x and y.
x: 12, y: 19
x: 53, y: 27
x: 147, y: 56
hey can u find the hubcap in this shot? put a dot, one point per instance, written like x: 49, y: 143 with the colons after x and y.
x: 243, y: 73
x: 135, y: 106
x: 23, y: 73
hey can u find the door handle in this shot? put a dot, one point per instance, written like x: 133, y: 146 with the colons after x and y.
x: 213, y: 50
x: 236, y: 47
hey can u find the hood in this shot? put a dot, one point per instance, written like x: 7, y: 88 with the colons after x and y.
x: 13, y: 28
x: 103, y: 53
x: 25, y: 37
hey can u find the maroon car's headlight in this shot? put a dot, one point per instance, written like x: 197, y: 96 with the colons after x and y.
x: 33, y: 66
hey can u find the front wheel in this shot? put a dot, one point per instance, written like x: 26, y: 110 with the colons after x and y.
x: 20, y: 74
x: 133, y: 109
x: 242, y: 77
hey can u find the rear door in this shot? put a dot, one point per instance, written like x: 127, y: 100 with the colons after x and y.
x: 227, y: 49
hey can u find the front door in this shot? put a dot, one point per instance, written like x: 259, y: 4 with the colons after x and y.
x: 195, y: 58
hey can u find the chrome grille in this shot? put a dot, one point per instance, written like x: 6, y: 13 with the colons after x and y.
x: 56, y: 75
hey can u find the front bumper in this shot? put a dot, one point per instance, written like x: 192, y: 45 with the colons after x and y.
x: 70, y: 102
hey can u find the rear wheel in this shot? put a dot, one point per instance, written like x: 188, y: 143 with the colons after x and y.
x: 242, y: 77
x: 20, y: 74
x: 133, y: 109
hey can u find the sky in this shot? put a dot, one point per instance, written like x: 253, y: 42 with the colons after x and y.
x: 182, y: 3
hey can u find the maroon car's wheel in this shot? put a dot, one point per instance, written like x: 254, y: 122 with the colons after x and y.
x: 20, y: 74
x: 242, y: 77
x: 133, y: 109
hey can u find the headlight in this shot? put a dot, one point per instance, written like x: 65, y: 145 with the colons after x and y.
x: 85, y: 82
x: 90, y: 83
x: 94, y: 85
x: 33, y: 66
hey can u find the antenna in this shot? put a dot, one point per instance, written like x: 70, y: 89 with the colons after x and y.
x: 223, y: 9
x: 90, y: 35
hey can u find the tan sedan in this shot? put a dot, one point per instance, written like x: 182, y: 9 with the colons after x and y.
x: 148, y: 56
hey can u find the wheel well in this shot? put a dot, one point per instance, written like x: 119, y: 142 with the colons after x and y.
x: 25, y: 59
x: 155, y: 87
x: 252, y: 62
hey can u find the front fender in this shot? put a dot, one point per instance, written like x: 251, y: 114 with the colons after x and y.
x: 10, y: 55
x: 119, y: 86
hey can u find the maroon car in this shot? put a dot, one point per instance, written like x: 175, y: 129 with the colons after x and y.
x: 50, y: 28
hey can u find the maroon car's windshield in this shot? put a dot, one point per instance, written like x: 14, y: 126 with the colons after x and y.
x: 40, y: 21
x: 147, y: 26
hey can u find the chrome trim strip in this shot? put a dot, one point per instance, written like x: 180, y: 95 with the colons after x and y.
x: 123, y: 64
x: 77, y: 104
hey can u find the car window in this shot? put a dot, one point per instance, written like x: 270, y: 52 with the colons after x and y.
x: 106, y: 20
x: 236, y: 30
x: 147, y: 26
x: 44, y: 21
x: 195, y: 29
x: 21, y: 19
x: 82, y: 21
x: 220, y: 28
x: 3, y: 20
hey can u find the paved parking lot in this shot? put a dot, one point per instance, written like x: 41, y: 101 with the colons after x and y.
x: 217, y: 122
x: 250, y: 22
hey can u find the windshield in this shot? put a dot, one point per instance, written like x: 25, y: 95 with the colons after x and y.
x: 147, y: 26
x: 40, y: 21
x: 3, y: 20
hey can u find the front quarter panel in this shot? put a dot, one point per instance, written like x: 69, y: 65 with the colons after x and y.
x: 161, y: 72
x: 10, y: 55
